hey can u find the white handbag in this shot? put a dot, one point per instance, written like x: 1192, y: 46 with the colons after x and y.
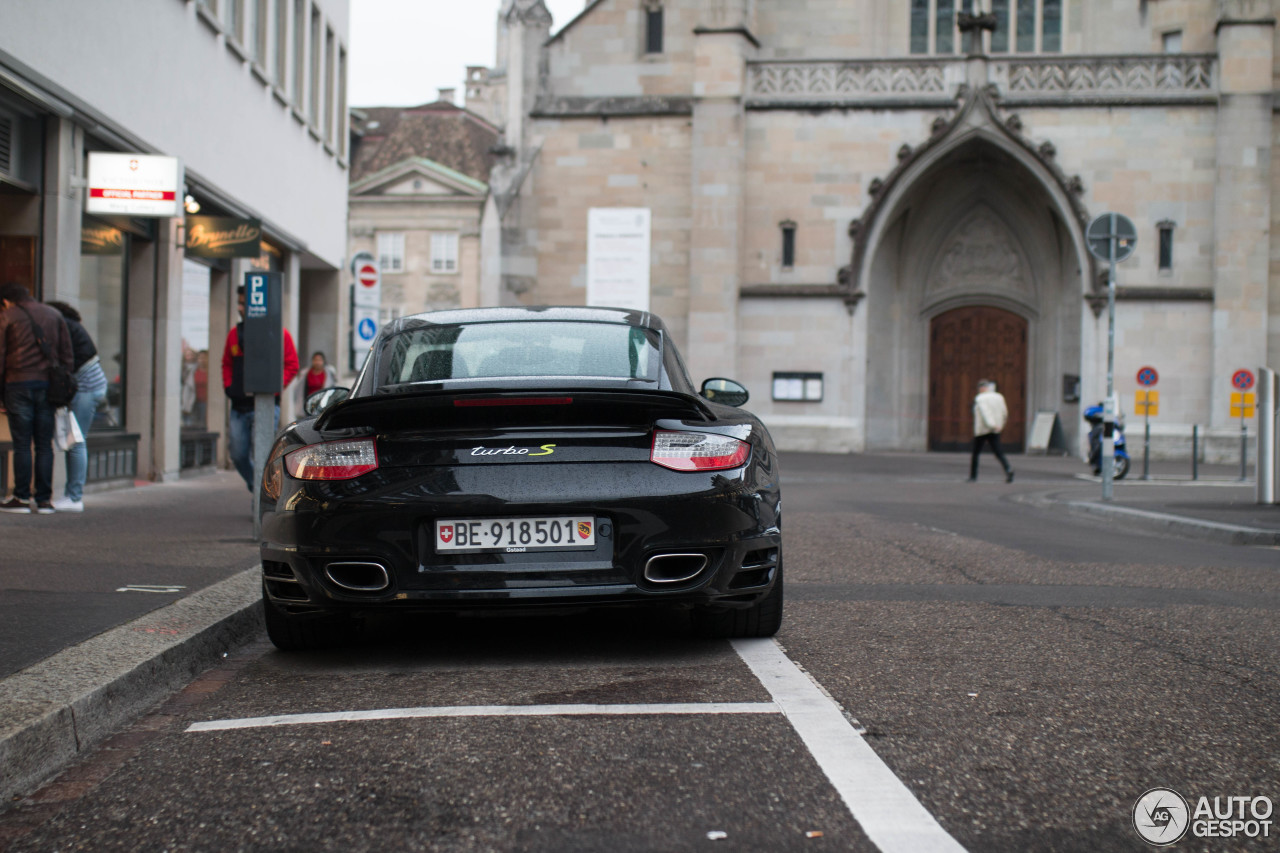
x: 66, y: 429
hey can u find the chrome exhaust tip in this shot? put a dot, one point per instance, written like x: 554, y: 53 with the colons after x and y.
x: 674, y: 568
x: 359, y: 577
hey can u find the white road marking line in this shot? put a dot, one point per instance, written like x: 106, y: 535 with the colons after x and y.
x: 886, y: 809
x: 488, y: 711
x: 144, y: 587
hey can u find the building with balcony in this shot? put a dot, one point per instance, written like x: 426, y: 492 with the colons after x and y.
x: 860, y: 208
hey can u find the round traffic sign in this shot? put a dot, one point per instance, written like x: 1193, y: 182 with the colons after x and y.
x: 368, y: 275
x: 1147, y: 377
x: 1242, y: 380
x: 366, y: 329
x: 1107, y: 229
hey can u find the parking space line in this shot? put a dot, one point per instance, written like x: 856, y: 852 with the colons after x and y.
x: 888, y: 812
x: 488, y: 711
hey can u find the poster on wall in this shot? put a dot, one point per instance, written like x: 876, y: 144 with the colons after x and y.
x: 618, y: 241
x: 134, y: 185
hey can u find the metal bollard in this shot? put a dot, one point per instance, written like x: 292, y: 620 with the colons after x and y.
x: 1195, y: 451
x: 1266, y: 464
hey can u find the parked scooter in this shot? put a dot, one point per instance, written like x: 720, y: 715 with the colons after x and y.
x: 1093, y: 415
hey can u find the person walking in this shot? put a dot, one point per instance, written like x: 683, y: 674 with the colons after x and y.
x: 320, y: 376
x: 240, y: 434
x: 989, y: 416
x: 91, y: 390
x: 27, y: 329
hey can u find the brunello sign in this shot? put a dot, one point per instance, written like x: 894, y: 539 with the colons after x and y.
x: 134, y: 184
x: 101, y: 240
x: 223, y: 237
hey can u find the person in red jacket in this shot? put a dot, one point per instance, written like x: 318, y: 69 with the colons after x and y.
x: 240, y: 435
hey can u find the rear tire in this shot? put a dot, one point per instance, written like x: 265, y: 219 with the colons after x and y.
x: 1122, y: 467
x: 762, y: 619
x: 299, y: 634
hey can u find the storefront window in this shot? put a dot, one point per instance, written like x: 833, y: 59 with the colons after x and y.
x: 104, y: 254
x: 195, y: 345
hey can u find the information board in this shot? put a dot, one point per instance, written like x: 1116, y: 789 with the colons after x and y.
x: 618, y: 241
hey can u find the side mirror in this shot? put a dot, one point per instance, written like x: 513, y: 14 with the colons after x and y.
x: 321, y: 400
x: 725, y: 392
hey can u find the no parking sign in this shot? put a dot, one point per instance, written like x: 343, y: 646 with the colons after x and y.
x: 1242, y: 380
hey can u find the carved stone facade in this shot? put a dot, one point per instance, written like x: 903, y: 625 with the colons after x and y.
x: 913, y: 185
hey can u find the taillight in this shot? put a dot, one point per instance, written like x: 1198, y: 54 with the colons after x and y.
x: 332, y: 460
x: 697, y: 451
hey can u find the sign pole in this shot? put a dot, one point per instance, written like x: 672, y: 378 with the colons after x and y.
x: 1244, y: 446
x: 1111, y: 238
x: 1108, y: 407
x: 1146, y: 446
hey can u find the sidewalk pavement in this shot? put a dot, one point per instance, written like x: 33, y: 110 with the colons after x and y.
x: 123, y: 651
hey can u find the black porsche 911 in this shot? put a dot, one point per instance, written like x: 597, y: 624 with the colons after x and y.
x: 522, y: 457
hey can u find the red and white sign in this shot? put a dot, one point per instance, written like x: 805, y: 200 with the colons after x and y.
x: 368, y: 276
x: 134, y: 184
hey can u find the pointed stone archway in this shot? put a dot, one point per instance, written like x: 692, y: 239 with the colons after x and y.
x: 975, y: 218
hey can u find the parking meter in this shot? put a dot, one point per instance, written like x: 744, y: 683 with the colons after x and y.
x: 263, y: 341
x: 263, y: 346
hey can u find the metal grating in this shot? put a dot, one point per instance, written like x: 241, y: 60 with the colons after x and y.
x: 6, y: 145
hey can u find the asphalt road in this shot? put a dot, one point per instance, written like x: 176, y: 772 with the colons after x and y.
x: 1026, y: 675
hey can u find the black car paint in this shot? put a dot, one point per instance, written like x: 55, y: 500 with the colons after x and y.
x: 599, y: 469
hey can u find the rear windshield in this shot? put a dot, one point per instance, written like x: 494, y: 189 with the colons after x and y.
x: 520, y: 349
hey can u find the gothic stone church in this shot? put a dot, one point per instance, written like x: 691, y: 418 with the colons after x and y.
x: 860, y: 207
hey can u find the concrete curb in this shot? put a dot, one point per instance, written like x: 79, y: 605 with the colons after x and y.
x: 65, y: 704
x: 1192, y: 528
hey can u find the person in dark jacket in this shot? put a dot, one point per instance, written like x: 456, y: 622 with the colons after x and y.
x: 240, y: 432
x: 24, y: 375
x: 91, y: 389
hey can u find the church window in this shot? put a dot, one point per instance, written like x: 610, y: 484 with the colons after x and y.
x: 653, y: 28
x: 919, y: 26
x: 1026, y: 26
x: 1172, y: 42
x: 1000, y: 35
x: 945, y: 20
x: 1051, y: 26
x: 1166, y: 245
x: 788, y: 244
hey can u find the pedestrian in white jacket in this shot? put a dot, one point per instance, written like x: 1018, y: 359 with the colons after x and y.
x: 989, y: 416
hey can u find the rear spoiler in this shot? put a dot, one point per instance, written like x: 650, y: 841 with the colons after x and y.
x: 482, y: 409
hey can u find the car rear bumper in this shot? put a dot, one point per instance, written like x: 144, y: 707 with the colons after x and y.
x: 716, y: 538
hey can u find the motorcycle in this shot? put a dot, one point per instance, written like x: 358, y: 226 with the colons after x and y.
x: 1093, y: 415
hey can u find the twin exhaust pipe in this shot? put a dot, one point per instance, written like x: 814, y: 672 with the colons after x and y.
x: 373, y: 577
x: 674, y: 568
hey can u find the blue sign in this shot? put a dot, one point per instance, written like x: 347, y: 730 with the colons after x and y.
x: 366, y: 330
x: 255, y: 302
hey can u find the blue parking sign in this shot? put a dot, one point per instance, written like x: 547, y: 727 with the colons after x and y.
x: 255, y: 302
x: 366, y: 329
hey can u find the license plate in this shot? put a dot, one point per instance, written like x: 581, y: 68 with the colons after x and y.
x: 515, y: 535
